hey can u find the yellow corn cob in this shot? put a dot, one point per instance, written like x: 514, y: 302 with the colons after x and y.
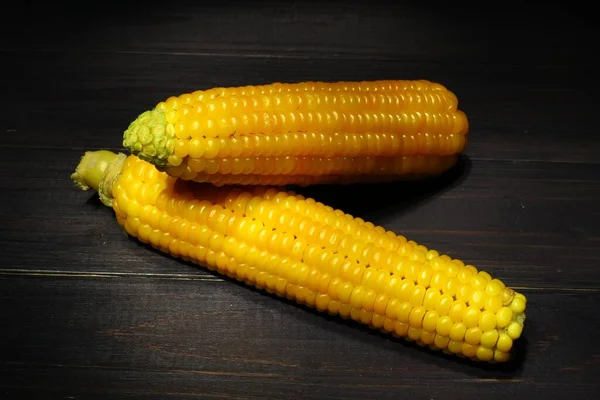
x: 303, y: 133
x: 306, y: 251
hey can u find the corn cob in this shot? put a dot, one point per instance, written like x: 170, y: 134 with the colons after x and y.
x: 303, y: 133
x: 306, y: 251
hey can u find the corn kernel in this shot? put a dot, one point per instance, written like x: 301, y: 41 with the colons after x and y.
x: 518, y: 305
x: 473, y: 335
x: 444, y: 325
x: 487, y: 321
x: 457, y: 332
x: 504, y: 342
x: 514, y: 330
x: 489, y: 339
x: 503, y: 317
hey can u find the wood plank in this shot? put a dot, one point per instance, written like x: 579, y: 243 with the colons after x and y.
x: 177, y: 339
x: 309, y: 28
x: 87, y: 100
x: 501, y: 216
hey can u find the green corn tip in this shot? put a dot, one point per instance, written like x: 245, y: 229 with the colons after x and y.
x: 148, y: 138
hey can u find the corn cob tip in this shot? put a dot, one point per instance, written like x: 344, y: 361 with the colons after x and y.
x: 150, y: 138
x: 97, y: 170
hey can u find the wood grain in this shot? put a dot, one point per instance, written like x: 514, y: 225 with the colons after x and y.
x: 88, y: 313
x: 175, y: 339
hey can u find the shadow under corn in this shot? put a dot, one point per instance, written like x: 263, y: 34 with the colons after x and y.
x: 416, y: 354
x: 370, y: 200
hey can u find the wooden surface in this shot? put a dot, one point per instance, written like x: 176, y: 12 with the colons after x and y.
x: 87, y: 313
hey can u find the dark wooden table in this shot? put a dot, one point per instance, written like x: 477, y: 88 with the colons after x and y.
x: 87, y: 313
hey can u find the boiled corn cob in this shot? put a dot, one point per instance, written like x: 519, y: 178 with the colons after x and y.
x: 308, y: 252
x: 303, y: 133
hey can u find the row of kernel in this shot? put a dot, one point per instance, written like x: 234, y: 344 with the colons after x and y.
x: 310, y: 86
x: 308, y: 165
x: 325, y: 144
x: 437, y: 101
x: 409, y: 122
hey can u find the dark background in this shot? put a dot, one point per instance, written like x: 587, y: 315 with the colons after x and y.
x: 86, y: 312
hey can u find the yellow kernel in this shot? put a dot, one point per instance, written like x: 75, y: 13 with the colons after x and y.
x: 388, y: 325
x: 333, y: 288
x: 444, y: 325
x: 391, y: 310
x: 471, y: 316
x: 415, y: 318
x: 369, y: 300
x: 493, y: 304
x: 493, y: 288
x: 171, y: 116
x: 489, y: 338
x: 457, y: 310
x: 473, y: 335
x: 464, y: 292
x: 211, y: 148
x: 452, y: 286
x: 439, y: 280
x: 507, y: 295
x: 333, y: 307
x: 479, y: 282
x: 392, y: 286
x: 504, y: 343
x: 427, y: 337
x: 432, y: 298
x: 412, y: 270
x: 431, y: 254
x: 430, y: 320
x: 484, y: 353
x: 444, y: 304
x: 485, y: 275
x: 469, y: 350
x: 455, y: 346
x: 377, y: 320
x: 501, y: 356
x: 503, y: 317
x: 518, y: 305
x: 345, y: 291
x: 356, y: 298
x: 322, y: 301
x: 401, y: 328
x: 457, y: 332
x: 405, y: 289
x: 514, y: 330
x: 403, y: 312
x: 441, y: 341
x: 196, y: 148
x: 381, y: 303
x: 424, y: 276
x: 414, y: 333
x: 487, y: 321
x: 175, y: 160
x: 418, y: 295
x: 465, y: 276
x: 471, y: 268
x: 181, y: 148
x: 355, y: 313
x: 478, y: 298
